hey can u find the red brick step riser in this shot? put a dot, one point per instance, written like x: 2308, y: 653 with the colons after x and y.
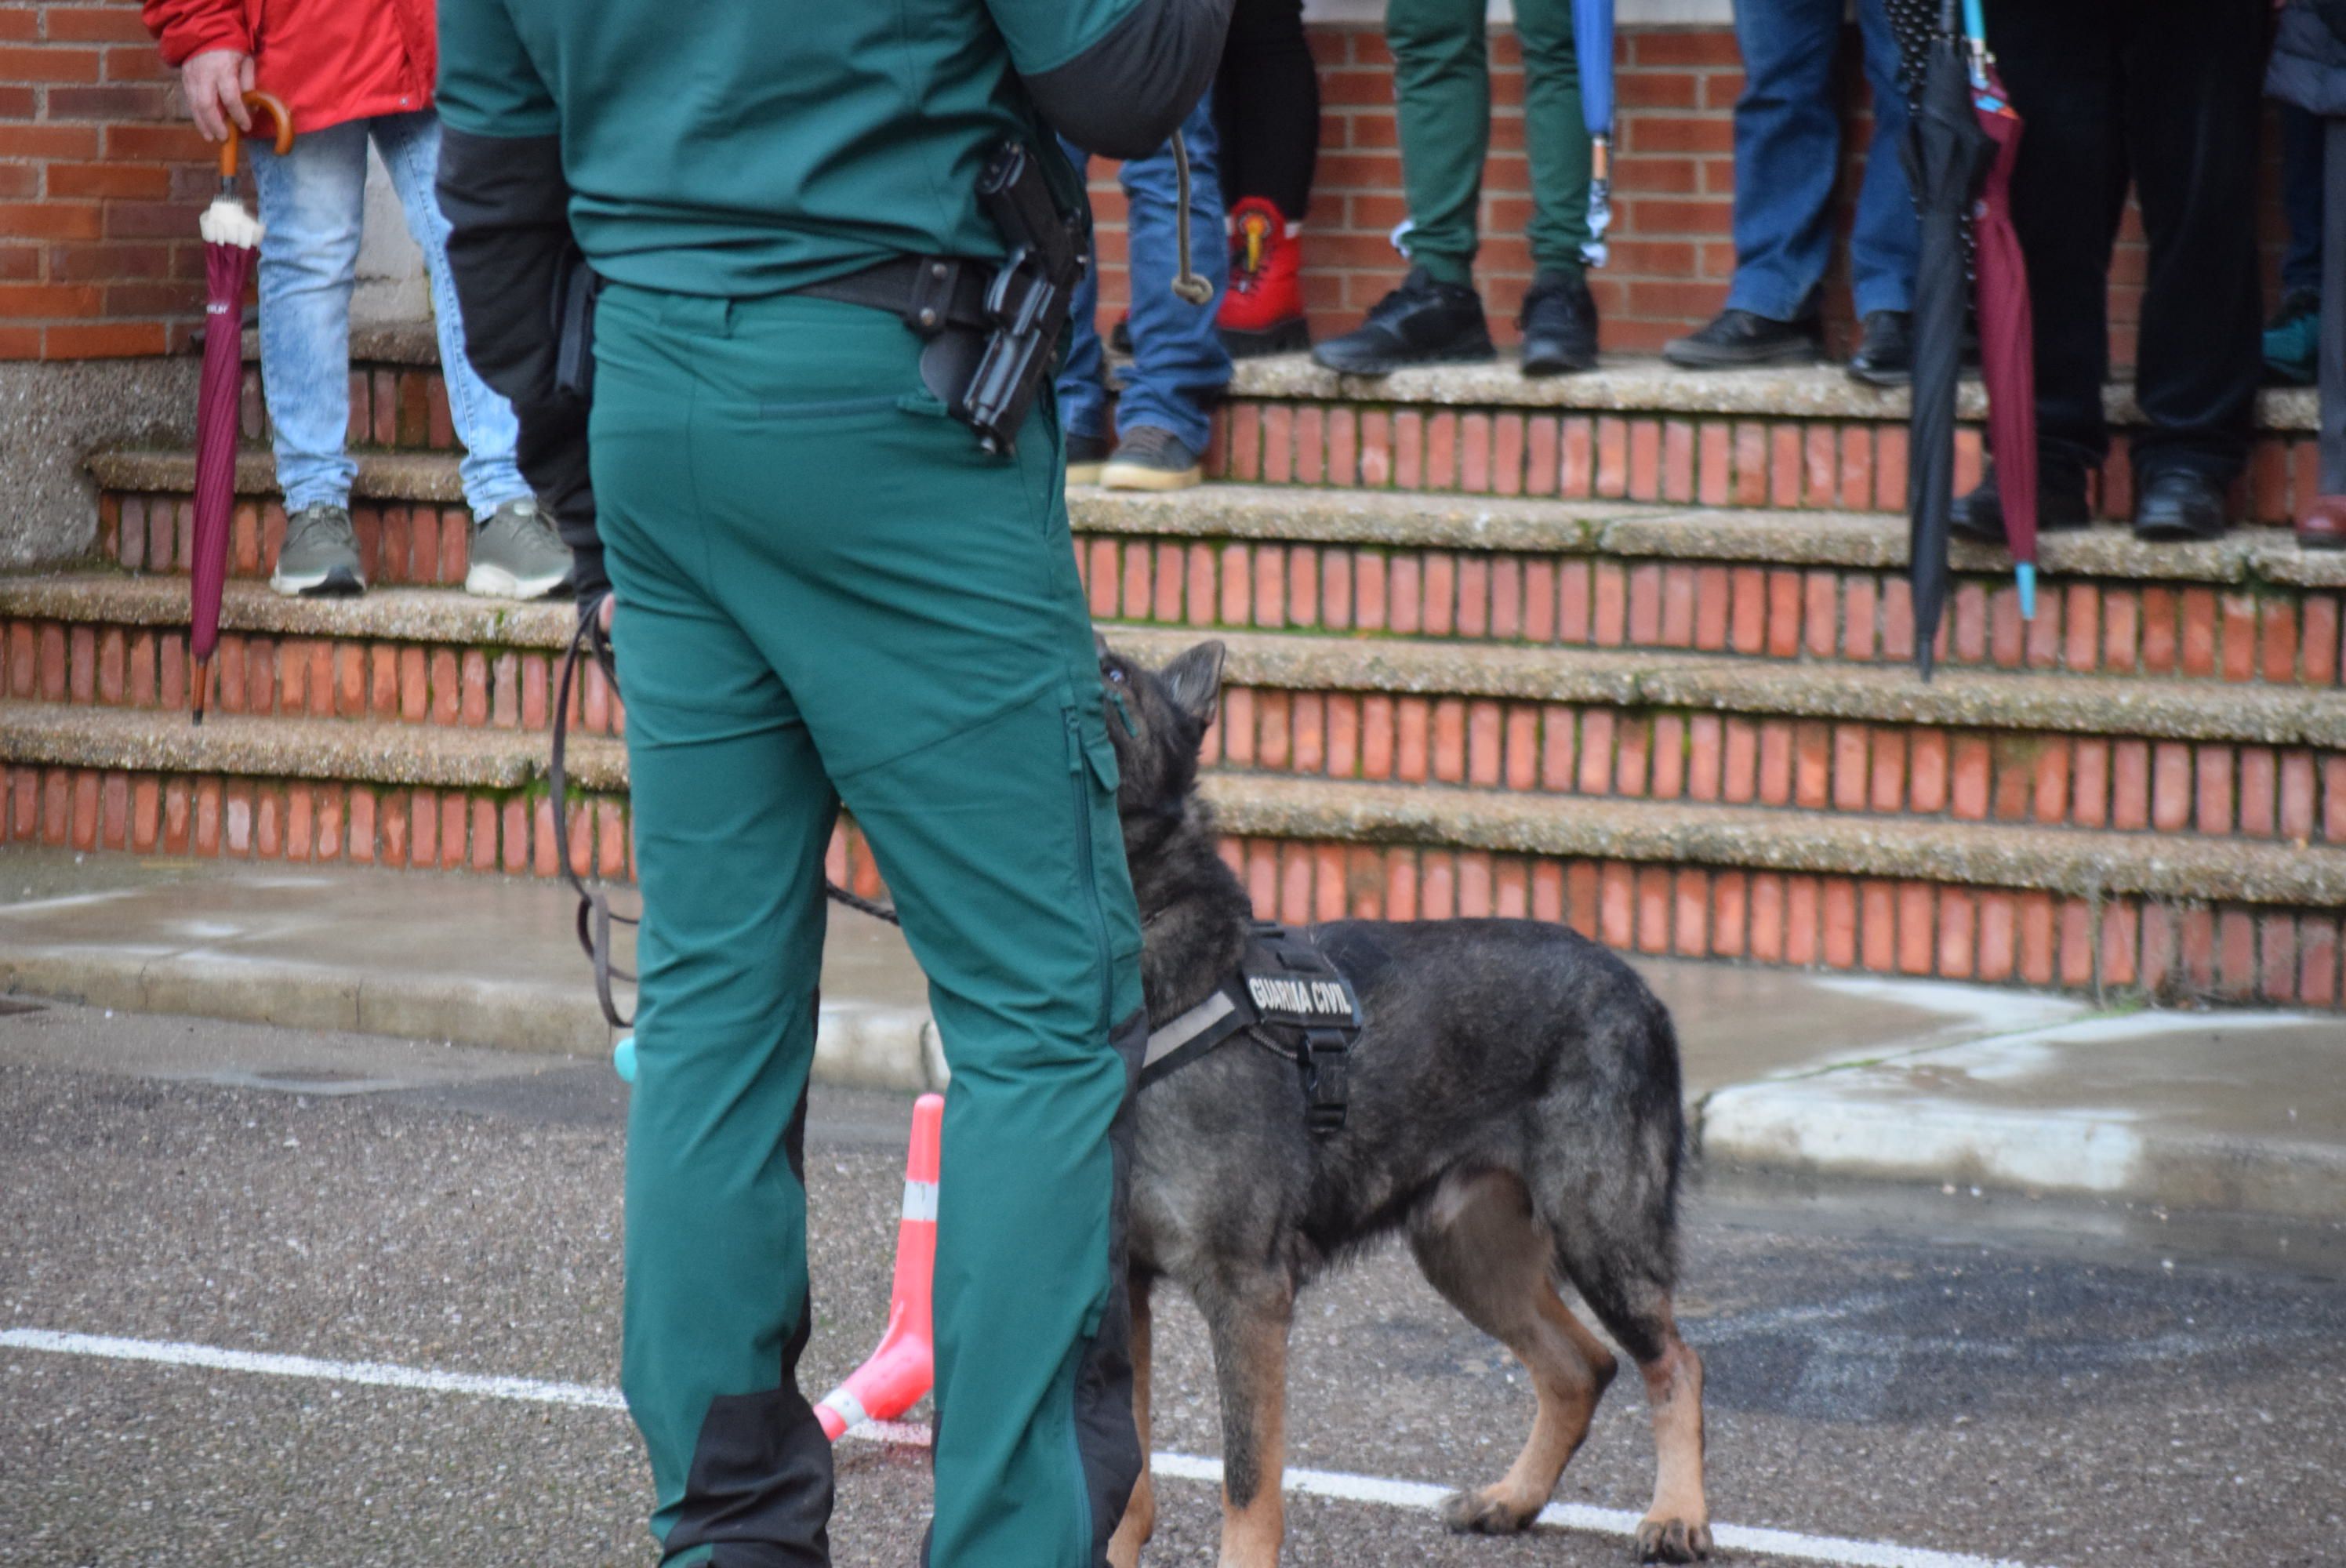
x: 2115, y: 949
x: 2294, y: 794
x: 2274, y: 632
x: 1830, y: 464
x: 1835, y: 465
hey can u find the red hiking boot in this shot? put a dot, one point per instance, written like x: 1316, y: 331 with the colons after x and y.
x: 1263, y: 311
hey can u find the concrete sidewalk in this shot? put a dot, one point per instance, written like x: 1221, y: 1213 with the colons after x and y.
x: 1828, y: 1076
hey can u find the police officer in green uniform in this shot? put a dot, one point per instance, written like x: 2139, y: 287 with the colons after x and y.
x: 828, y: 593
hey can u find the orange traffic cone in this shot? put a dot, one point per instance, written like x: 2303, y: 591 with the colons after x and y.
x: 894, y: 1377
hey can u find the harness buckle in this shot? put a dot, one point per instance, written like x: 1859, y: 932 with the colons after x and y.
x: 1326, y: 1084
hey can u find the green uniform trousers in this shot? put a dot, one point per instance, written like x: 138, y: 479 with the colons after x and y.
x: 1441, y: 93
x: 827, y: 594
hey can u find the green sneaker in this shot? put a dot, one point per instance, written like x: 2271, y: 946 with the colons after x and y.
x: 320, y: 554
x: 517, y: 555
x: 2293, y: 343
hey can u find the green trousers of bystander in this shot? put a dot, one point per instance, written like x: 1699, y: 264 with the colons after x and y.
x: 828, y: 595
x: 1442, y: 90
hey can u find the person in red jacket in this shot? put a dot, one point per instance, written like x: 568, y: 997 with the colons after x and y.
x: 349, y: 71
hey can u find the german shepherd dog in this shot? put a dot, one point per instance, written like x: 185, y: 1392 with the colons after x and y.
x: 1514, y: 1111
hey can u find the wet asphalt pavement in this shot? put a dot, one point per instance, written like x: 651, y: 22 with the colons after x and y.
x: 2014, y: 1380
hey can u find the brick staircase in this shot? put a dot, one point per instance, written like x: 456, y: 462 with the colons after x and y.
x: 1629, y: 650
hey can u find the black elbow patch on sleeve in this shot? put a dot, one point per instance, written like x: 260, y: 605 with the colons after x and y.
x: 1126, y: 94
x: 502, y: 182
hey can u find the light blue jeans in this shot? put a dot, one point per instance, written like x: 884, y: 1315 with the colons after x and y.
x: 312, y: 203
x: 1178, y: 363
x: 1788, y: 155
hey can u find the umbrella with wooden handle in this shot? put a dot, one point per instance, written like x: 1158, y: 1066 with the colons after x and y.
x: 232, y: 244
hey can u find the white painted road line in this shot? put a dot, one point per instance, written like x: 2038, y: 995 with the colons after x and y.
x: 1336, y: 1485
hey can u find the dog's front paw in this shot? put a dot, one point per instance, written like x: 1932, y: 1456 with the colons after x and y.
x: 1484, y: 1512
x: 1672, y: 1540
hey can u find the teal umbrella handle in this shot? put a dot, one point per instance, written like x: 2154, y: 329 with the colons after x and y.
x: 2025, y: 574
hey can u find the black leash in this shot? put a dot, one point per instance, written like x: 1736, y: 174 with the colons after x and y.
x: 596, y: 916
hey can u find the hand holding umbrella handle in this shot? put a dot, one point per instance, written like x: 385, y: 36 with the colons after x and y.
x: 267, y: 104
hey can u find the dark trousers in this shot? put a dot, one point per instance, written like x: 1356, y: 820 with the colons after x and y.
x: 2302, y: 137
x: 2166, y: 91
x: 1267, y: 107
x: 2334, y: 307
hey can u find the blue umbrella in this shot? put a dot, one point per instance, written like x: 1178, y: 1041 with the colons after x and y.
x: 1592, y: 39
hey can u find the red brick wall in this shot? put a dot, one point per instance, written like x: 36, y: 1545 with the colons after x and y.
x: 1674, y: 183
x: 100, y: 187
x: 101, y: 180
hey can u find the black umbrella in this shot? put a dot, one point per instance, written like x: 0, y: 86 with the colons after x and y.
x: 1946, y: 154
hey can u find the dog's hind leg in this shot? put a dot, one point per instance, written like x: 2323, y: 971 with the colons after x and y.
x: 1626, y: 1283
x: 1249, y: 1327
x: 1480, y: 1245
x: 1139, y: 1519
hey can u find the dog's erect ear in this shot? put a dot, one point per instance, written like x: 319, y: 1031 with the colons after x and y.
x: 1194, y: 681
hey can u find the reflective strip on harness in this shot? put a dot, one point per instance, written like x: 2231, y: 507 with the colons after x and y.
x: 1285, y: 988
x: 1163, y: 1042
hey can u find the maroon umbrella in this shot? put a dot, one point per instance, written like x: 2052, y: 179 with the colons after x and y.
x: 2006, y: 326
x: 232, y: 244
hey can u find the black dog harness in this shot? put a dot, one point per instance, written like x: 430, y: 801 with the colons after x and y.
x: 1291, y: 999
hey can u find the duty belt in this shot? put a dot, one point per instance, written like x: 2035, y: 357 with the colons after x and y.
x: 1290, y: 999
x: 928, y: 293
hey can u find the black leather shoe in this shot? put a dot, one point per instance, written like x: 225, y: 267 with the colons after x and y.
x: 1739, y: 338
x: 1559, y: 323
x: 2178, y: 505
x: 2060, y: 503
x: 1422, y: 322
x: 1885, y: 355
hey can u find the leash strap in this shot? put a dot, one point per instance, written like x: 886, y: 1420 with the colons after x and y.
x: 596, y: 916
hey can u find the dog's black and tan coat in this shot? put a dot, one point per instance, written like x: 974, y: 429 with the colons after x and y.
x: 1514, y: 1111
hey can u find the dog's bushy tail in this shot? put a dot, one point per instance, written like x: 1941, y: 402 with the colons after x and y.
x: 1611, y: 1199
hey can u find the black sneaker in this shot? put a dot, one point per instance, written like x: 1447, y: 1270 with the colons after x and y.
x: 1422, y: 322
x: 2178, y: 505
x: 2060, y: 503
x: 1559, y: 323
x: 1087, y: 455
x: 1885, y: 355
x: 1147, y: 458
x: 1740, y: 338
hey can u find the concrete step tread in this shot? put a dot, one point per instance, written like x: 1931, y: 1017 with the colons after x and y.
x: 2067, y: 860
x: 349, y: 750
x: 1881, y: 693
x: 382, y: 614
x: 2266, y: 714
x: 1641, y: 383
x: 2073, y: 862
x: 1310, y: 514
x: 1306, y: 515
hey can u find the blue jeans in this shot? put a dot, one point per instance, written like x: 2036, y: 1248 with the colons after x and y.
x: 311, y: 202
x: 1788, y: 155
x: 1178, y: 363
